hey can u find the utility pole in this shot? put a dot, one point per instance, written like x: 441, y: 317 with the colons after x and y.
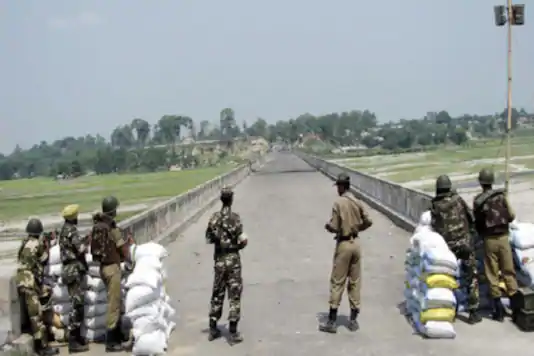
x: 510, y: 15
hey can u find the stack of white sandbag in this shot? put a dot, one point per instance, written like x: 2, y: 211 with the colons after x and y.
x: 522, y: 241
x: 147, y: 305
x: 94, y: 324
x: 431, y: 271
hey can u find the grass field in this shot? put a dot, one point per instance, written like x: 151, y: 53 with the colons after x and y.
x: 458, y: 162
x: 27, y: 197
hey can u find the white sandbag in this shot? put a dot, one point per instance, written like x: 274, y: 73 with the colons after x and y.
x: 167, y: 311
x: 95, y: 310
x: 96, y: 322
x: 437, y: 298
x: 140, y: 296
x: 522, y: 236
x: 440, y: 257
x: 425, y: 219
x: 54, y: 270
x: 152, y: 309
x: 150, y: 343
x: 94, y: 271
x: 148, y: 324
x: 426, y: 239
x: 92, y: 297
x: 149, y: 262
x: 427, y: 267
x: 89, y: 258
x: 60, y: 293
x: 144, y: 275
x: 94, y: 283
x: 62, y: 308
x: 439, y: 330
x: 149, y: 249
x: 93, y: 334
x: 54, y: 255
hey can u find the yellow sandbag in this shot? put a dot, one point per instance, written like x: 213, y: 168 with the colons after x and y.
x: 439, y: 314
x: 56, y: 321
x: 441, y: 281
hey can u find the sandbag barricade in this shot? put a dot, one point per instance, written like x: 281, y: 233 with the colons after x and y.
x: 147, y: 305
x: 431, y: 278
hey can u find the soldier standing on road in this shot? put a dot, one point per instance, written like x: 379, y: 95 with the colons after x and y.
x: 452, y: 219
x: 73, y: 247
x: 225, y: 231
x: 32, y: 257
x: 493, y: 216
x: 109, y: 248
x: 349, y: 218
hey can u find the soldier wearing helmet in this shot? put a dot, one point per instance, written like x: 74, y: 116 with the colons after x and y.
x: 348, y: 219
x: 109, y: 248
x: 452, y: 219
x: 225, y: 231
x: 493, y: 216
x: 32, y: 258
x: 73, y: 247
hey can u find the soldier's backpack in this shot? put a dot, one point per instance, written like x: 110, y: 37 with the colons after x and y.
x: 491, y: 208
x: 449, y: 219
x: 100, y: 241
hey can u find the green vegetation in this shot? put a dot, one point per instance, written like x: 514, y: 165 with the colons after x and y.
x: 455, y: 161
x: 25, y: 197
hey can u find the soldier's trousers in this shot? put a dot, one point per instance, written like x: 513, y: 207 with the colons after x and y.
x: 468, y: 258
x: 498, y: 257
x: 111, y: 275
x: 347, y: 265
x: 76, y: 294
x: 227, y: 277
x: 30, y: 299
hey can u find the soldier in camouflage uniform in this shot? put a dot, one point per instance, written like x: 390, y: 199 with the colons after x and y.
x: 109, y: 249
x: 452, y: 219
x: 32, y: 258
x: 225, y: 231
x: 493, y: 216
x: 73, y: 247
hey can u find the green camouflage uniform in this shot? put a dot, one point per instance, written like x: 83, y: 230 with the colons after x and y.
x: 72, y: 246
x: 32, y: 258
x: 224, y: 230
x: 452, y: 219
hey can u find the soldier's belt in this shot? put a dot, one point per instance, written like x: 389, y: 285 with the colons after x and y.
x: 347, y: 238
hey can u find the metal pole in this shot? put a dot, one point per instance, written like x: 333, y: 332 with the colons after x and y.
x: 508, y: 103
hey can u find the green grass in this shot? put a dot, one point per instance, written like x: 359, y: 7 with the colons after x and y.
x: 448, y: 160
x: 26, y: 197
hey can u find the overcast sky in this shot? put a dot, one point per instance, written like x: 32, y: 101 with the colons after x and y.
x: 77, y: 67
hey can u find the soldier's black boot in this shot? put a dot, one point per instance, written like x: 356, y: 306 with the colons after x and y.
x: 235, y: 336
x: 113, y: 342
x: 215, y: 332
x: 353, y: 322
x: 42, y: 350
x: 498, y: 310
x: 76, y: 343
x: 474, y: 317
x: 330, y: 326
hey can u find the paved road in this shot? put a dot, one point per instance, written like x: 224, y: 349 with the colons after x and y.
x: 286, y: 272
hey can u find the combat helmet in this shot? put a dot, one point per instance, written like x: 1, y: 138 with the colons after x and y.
x: 110, y: 205
x: 443, y: 182
x: 486, y: 176
x: 227, y: 193
x: 34, y: 227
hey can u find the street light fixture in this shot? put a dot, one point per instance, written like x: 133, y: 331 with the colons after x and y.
x: 511, y: 15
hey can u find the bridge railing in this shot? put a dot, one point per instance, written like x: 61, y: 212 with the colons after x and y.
x: 403, y: 205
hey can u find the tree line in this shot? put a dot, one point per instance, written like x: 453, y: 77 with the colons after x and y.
x: 140, y: 146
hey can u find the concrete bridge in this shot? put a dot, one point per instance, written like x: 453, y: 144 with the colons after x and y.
x: 286, y: 267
